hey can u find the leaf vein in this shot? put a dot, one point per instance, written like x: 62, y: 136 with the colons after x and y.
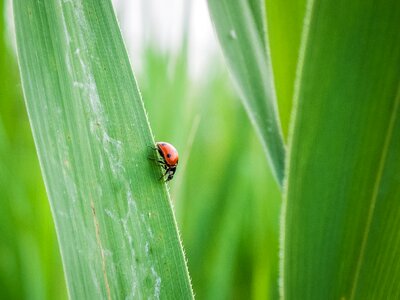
x: 382, y: 163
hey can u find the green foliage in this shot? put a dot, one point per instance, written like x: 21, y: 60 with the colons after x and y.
x: 342, y: 174
x: 202, y: 131
x: 113, y: 218
x: 30, y: 265
x: 342, y: 214
x: 241, y: 32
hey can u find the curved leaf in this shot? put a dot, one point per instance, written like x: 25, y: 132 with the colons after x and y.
x: 240, y: 27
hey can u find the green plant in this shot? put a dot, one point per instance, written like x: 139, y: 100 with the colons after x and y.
x: 241, y: 31
x: 319, y: 81
x: 339, y: 220
x: 212, y: 217
x: 114, y: 221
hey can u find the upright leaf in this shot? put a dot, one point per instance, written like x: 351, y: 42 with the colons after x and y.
x: 240, y: 26
x: 116, y: 230
x: 342, y: 211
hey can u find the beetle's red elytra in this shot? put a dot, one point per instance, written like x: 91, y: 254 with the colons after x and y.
x: 170, y: 158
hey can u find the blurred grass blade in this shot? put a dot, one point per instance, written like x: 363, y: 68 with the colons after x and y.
x: 240, y: 27
x: 285, y: 23
x: 116, y: 230
x: 342, y: 214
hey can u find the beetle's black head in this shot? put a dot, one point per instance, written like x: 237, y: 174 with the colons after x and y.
x: 171, y: 173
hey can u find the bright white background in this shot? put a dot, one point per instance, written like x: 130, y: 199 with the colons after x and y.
x: 162, y: 23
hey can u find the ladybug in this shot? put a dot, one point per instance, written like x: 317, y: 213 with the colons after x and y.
x: 169, y: 159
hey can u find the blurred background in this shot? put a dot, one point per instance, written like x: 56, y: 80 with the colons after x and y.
x: 225, y: 199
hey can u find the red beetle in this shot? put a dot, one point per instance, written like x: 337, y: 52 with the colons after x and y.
x: 169, y: 159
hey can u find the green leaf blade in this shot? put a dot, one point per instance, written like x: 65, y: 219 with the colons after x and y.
x: 116, y: 230
x: 382, y: 224
x: 285, y: 23
x: 241, y: 32
x: 342, y: 171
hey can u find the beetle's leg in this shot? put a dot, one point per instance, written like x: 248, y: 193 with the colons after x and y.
x: 157, y: 160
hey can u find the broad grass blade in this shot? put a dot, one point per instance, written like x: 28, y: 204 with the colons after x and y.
x: 342, y: 212
x: 115, y: 225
